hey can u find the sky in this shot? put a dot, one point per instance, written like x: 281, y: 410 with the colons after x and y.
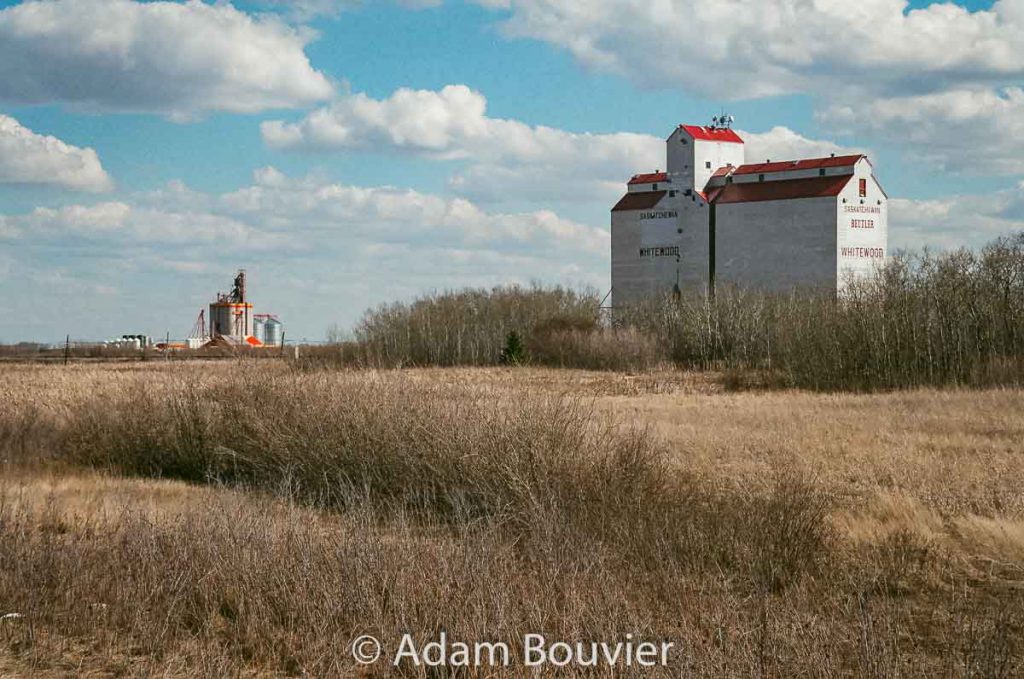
x: 353, y: 153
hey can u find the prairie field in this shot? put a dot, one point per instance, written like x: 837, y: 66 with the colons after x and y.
x: 255, y: 517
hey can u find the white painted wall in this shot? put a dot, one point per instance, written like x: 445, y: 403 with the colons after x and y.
x: 679, y: 222
x: 711, y: 155
x: 776, y: 245
x: 862, y: 227
x: 693, y: 161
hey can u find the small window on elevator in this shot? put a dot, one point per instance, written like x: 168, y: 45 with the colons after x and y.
x: 863, y: 184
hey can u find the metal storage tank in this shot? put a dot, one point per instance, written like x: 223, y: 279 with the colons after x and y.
x: 259, y: 328
x: 273, y: 330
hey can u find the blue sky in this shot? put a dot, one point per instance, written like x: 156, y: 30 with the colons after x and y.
x: 348, y: 154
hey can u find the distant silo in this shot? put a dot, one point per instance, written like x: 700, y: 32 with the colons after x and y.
x: 259, y: 328
x: 273, y: 331
x: 231, y: 315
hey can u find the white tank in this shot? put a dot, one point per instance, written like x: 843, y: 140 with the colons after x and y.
x: 272, y: 331
x: 259, y: 329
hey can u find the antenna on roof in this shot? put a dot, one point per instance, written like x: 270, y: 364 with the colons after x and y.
x: 723, y: 121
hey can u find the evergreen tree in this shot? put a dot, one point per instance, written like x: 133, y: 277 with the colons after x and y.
x: 514, y: 351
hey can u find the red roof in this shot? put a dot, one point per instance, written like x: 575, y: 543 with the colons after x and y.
x: 752, y: 192
x: 649, y: 178
x: 639, y: 201
x: 809, y: 164
x: 712, y: 133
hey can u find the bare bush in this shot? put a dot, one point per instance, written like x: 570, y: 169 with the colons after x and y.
x: 467, y: 327
x: 932, y: 319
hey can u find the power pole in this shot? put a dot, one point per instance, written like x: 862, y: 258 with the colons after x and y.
x: 67, y: 349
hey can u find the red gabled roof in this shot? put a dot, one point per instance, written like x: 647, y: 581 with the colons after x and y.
x: 713, y: 133
x: 789, y: 165
x: 787, y: 189
x: 639, y: 201
x: 649, y: 178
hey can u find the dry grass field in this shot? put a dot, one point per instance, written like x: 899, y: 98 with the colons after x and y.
x: 238, y: 518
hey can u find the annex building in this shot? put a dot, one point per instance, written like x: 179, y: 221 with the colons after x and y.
x: 712, y: 218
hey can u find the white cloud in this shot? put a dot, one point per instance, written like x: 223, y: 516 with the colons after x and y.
x: 450, y: 123
x: 30, y: 158
x: 782, y: 143
x: 276, y: 213
x: 179, y: 59
x: 965, y: 220
x: 387, y: 215
x: 942, y: 81
x: 120, y: 223
x: 737, y: 49
x: 507, y: 158
x: 978, y: 131
x: 307, y: 10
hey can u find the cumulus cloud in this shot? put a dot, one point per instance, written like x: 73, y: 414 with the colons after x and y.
x: 452, y: 124
x: 966, y: 220
x: 979, y: 131
x: 782, y: 143
x: 306, y: 10
x: 305, y: 214
x: 30, y: 158
x: 506, y: 157
x: 737, y: 49
x: 123, y: 223
x: 178, y: 59
x: 446, y: 124
x: 387, y: 214
x: 940, y: 81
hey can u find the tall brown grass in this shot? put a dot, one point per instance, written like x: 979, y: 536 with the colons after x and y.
x: 330, y: 504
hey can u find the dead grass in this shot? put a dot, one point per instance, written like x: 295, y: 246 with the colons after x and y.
x: 771, y: 534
